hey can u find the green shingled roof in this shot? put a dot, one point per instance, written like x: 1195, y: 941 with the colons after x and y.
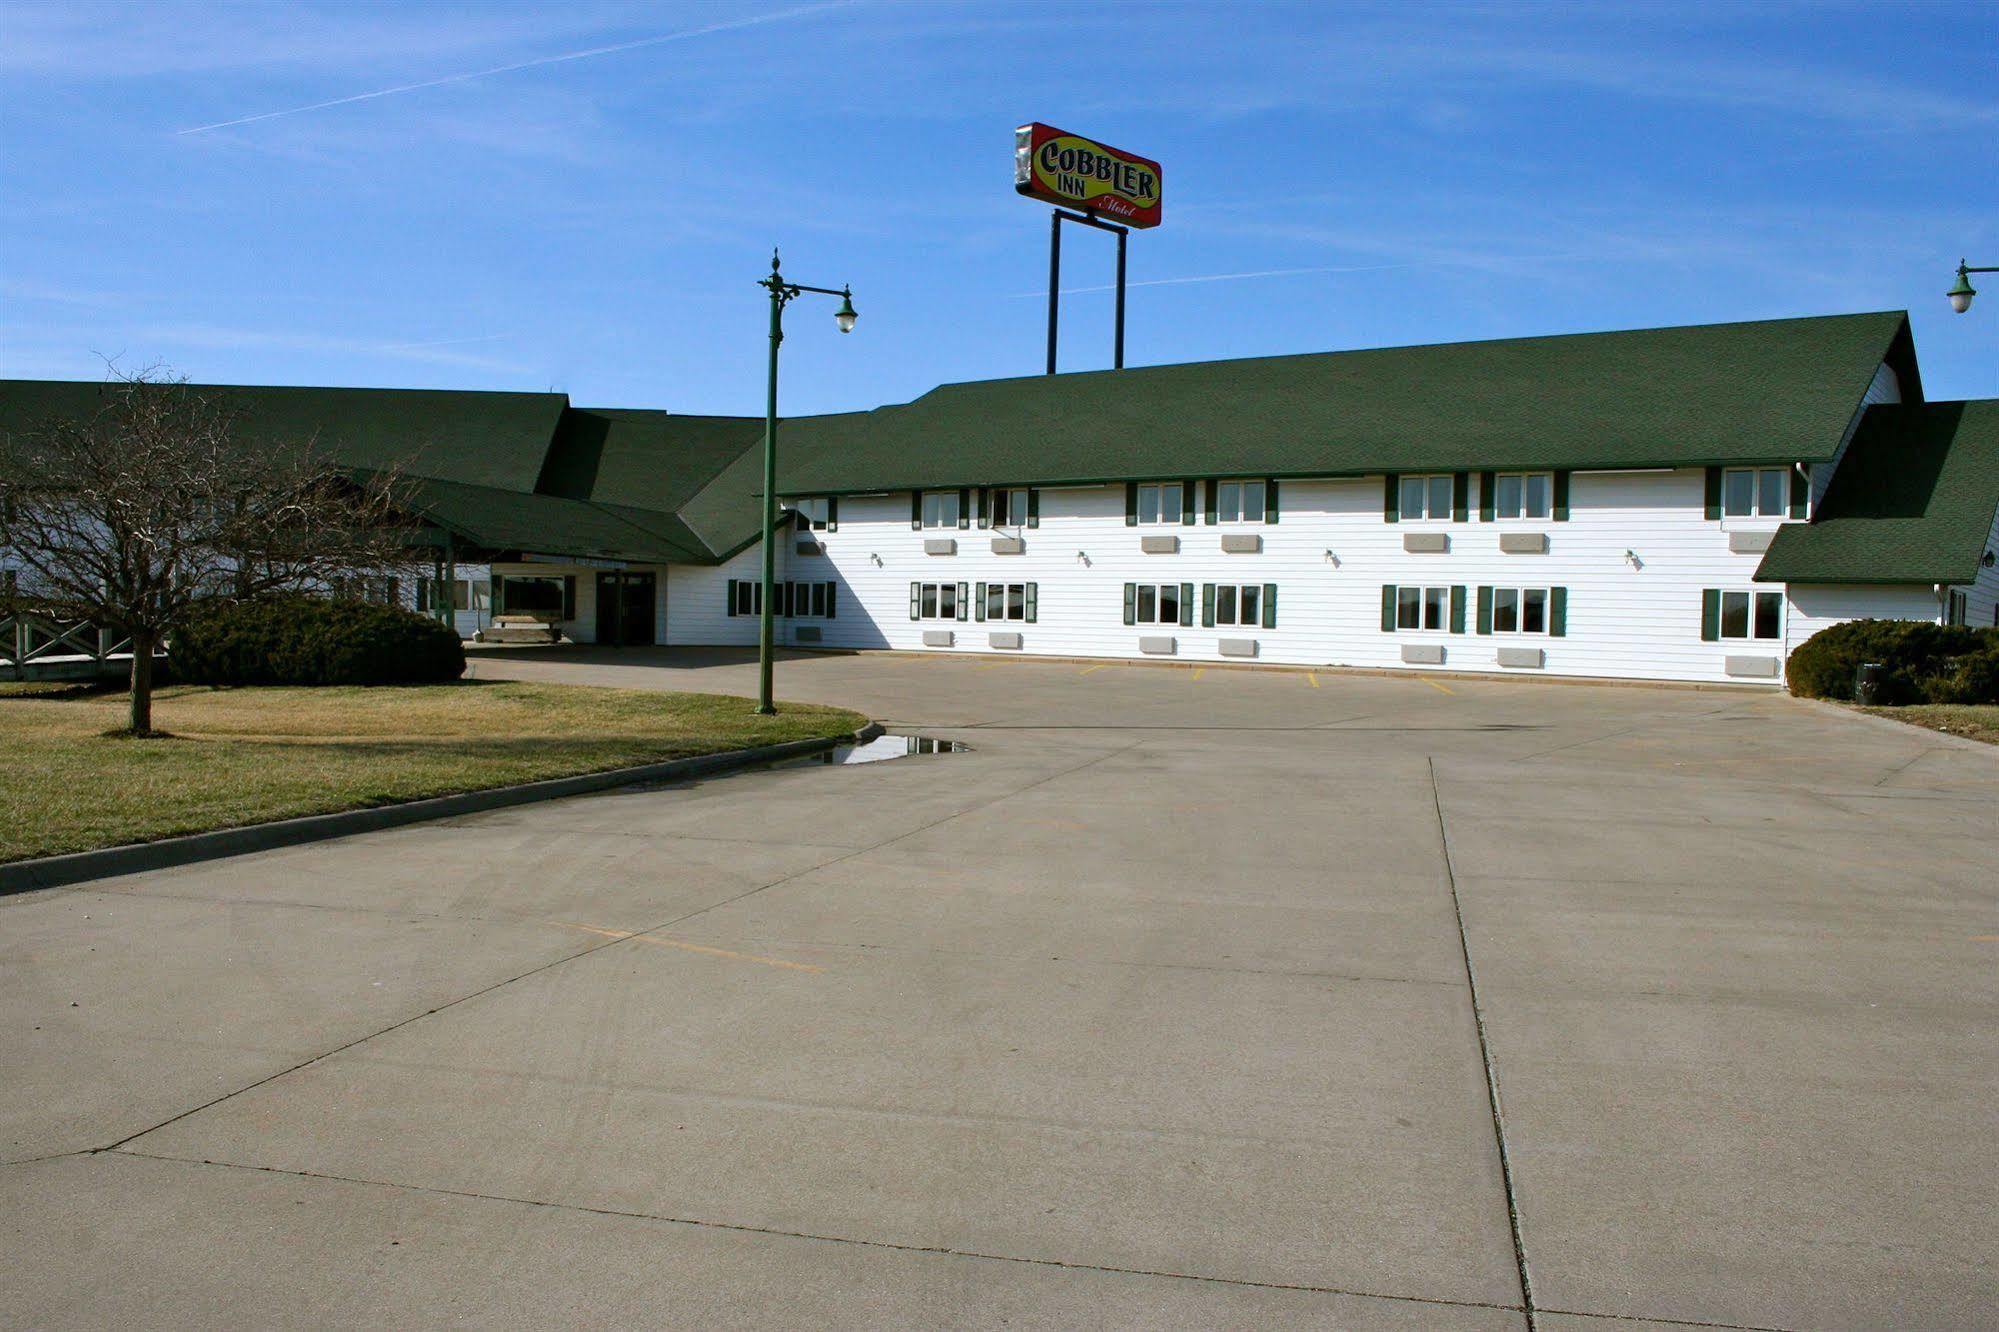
x: 499, y: 519
x: 1912, y: 502
x: 1774, y: 391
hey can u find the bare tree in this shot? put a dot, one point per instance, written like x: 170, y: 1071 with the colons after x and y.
x: 154, y: 505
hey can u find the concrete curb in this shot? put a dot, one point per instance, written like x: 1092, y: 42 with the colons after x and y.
x: 24, y: 876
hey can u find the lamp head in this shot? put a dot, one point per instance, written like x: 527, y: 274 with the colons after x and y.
x: 1961, y: 291
x: 845, y: 316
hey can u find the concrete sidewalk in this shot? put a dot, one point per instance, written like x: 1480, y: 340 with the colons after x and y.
x: 1177, y: 1001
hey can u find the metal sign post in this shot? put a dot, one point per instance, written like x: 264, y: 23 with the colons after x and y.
x: 1055, y: 222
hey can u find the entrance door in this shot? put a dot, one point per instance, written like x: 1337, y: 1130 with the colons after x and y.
x: 625, y: 608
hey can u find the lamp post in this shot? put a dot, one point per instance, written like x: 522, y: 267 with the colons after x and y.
x: 1962, y: 291
x: 781, y: 293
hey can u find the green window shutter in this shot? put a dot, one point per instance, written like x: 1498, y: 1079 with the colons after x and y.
x: 1034, y: 508
x: 985, y: 515
x: 1558, y: 612
x: 1801, y: 492
x: 1187, y: 503
x: 916, y: 510
x: 1713, y: 494
x: 569, y: 596
x: 1270, y: 499
x: 1187, y: 604
x: 1488, y: 483
x: 1460, y: 497
x: 1033, y: 596
x: 916, y: 601
x: 732, y: 597
x: 1388, y: 608
x: 1391, y: 499
x: 1210, y: 487
x: 1458, y: 609
x: 832, y: 513
x: 1270, y: 605
x: 1485, y: 610
x: 964, y: 601
x: 1208, y: 602
x: 1130, y: 507
x: 964, y: 507
x: 1131, y: 603
x: 1711, y: 615
x: 979, y: 603
x: 832, y: 597
x: 1561, y: 497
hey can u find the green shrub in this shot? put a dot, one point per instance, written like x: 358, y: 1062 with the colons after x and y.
x: 300, y: 640
x: 1923, y: 663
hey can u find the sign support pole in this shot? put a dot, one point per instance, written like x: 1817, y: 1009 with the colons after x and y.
x: 1055, y: 221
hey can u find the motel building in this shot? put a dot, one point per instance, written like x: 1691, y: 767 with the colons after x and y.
x: 1682, y: 504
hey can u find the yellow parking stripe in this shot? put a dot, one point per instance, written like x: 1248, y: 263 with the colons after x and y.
x: 1200, y: 671
x: 1099, y: 666
x: 1434, y: 685
x: 1311, y: 679
x: 689, y: 947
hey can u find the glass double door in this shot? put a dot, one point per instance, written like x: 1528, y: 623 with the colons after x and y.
x: 625, y: 607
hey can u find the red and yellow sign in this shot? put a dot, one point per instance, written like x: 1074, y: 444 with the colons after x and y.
x: 1070, y: 170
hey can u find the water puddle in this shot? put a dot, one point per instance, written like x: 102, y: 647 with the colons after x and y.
x: 880, y: 748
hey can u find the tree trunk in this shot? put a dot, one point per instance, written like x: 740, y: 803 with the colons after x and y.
x: 142, y: 683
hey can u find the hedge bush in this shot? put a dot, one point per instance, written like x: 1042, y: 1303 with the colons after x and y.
x: 1924, y: 663
x: 300, y: 640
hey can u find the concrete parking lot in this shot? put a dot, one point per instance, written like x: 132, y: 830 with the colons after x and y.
x: 1184, y: 998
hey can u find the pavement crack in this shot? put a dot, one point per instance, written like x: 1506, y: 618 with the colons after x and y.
x: 938, y: 1250
x: 1485, y: 1056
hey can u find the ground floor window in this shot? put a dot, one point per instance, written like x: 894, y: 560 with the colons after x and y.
x: 1958, y: 607
x: 1741, y: 616
x: 1158, y: 603
x: 807, y: 600
x: 466, y: 594
x: 537, y: 594
x: 1243, y: 604
x: 939, y: 601
x: 1006, y: 601
x: 1523, y: 610
x: 815, y: 601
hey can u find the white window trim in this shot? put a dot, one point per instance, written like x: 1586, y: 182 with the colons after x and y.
x: 1179, y: 510
x: 924, y: 588
x: 953, y: 524
x: 1004, y: 617
x: 1756, y: 514
x: 1450, y: 496
x: 992, y: 507
x: 1261, y: 509
x: 1721, y: 626
x: 1547, y: 610
x: 1523, y: 516
x: 1255, y: 622
x: 1423, y: 591
x: 1155, y: 622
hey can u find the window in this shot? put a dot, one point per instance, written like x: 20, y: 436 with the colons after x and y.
x: 1755, y: 492
x: 812, y: 601
x: 1239, y: 604
x: 540, y: 593
x: 1751, y: 615
x: 1422, y: 607
x: 1426, y: 496
x: 940, y: 601
x: 940, y: 508
x: 1239, y: 501
x: 1523, y: 494
x: 1156, y: 603
x: 460, y: 595
x: 1520, y: 610
x: 1958, y: 609
x: 1006, y: 601
x: 1160, y: 502
x: 746, y: 596
x: 812, y: 514
x: 1007, y: 507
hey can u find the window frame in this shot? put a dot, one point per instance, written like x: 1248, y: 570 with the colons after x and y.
x: 1752, y: 601
x: 1756, y: 477
x: 1001, y: 606
x: 1520, y: 610
x: 1430, y: 482
x: 1238, y: 618
x: 1424, y: 593
x: 1158, y: 603
x: 1159, y: 488
x: 939, y: 497
x: 1520, y: 514
x: 807, y: 520
x: 1245, y: 513
x: 1011, y: 494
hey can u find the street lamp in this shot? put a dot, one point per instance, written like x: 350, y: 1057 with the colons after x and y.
x: 1962, y: 291
x: 781, y: 293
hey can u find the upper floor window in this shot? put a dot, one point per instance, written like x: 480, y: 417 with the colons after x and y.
x: 1007, y: 507
x: 1426, y: 496
x: 1523, y: 494
x: 812, y: 513
x: 940, y: 508
x: 1161, y: 502
x: 1239, y: 501
x: 1755, y: 492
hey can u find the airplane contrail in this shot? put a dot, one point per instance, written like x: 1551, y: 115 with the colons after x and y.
x: 683, y: 35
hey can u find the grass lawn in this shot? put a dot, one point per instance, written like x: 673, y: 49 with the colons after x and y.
x: 240, y: 756
x: 1980, y: 721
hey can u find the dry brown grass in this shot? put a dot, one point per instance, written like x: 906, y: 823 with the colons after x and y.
x: 241, y: 756
x: 1979, y: 721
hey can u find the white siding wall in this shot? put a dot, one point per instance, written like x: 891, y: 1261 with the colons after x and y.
x: 698, y: 599
x: 1983, y: 610
x: 583, y: 628
x: 1329, y: 556
x: 1815, y: 606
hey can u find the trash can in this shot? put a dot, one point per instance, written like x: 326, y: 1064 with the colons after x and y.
x: 1867, y: 683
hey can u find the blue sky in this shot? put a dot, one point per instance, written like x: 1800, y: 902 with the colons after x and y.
x: 579, y: 197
